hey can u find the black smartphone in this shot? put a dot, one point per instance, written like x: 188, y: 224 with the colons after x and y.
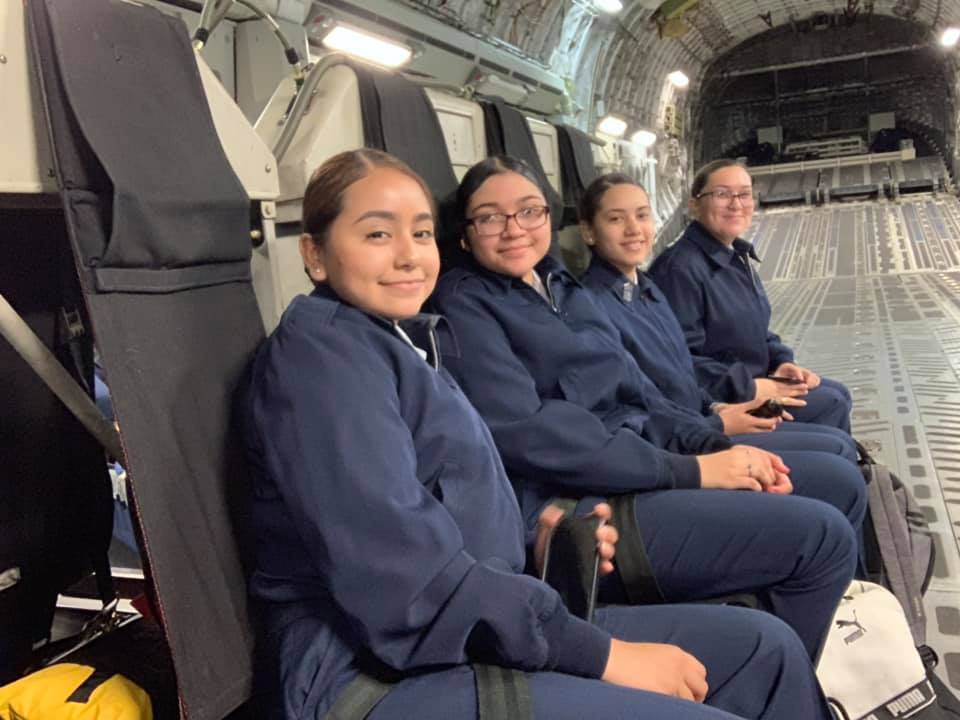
x: 770, y: 409
x: 571, y: 564
x: 786, y: 380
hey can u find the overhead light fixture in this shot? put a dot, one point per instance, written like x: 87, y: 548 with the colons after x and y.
x: 678, y: 79
x: 644, y: 138
x: 608, y: 6
x: 612, y: 126
x: 950, y: 36
x: 369, y: 47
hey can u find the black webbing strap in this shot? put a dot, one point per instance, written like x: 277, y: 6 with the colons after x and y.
x: 632, y: 562
x: 502, y: 694
x: 89, y: 686
x: 863, y: 455
x: 571, y: 560
x: 359, y: 698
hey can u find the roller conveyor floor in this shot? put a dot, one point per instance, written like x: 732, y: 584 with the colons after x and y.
x: 869, y: 294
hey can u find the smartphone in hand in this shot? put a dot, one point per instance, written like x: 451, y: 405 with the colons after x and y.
x: 770, y: 409
x: 786, y: 380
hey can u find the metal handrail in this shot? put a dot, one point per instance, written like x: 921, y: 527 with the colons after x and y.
x: 302, y: 99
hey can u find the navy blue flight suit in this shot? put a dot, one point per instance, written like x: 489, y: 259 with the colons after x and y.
x: 573, y: 414
x: 386, y: 532
x: 650, y: 331
x: 720, y: 302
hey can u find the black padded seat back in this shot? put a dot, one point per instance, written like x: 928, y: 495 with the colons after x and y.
x: 398, y: 118
x: 159, y: 227
x: 508, y: 133
x: 577, y: 168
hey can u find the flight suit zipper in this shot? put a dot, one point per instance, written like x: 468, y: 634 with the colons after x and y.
x: 552, y: 302
x: 434, y: 345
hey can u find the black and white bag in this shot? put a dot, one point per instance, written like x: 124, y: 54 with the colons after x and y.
x: 869, y: 667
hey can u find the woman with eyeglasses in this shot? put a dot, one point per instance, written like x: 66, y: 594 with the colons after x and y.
x: 716, y: 294
x: 573, y: 415
x: 388, y: 541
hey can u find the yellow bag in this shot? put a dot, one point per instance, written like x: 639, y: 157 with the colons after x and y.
x: 73, y: 692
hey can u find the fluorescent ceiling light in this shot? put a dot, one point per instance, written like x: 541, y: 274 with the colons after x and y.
x: 678, y: 79
x: 366, y: 46
x: 644, y: 138
x: 608, y: 6
x: 950, y: 36
x: 612, y: 126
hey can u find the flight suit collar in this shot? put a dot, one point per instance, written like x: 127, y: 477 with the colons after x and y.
x: 548, y: 266
x: 422, y: 328
x: 715, y: 251
x: 621, y: 286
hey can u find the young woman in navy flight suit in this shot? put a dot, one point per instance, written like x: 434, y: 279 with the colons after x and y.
x: 617, y: 225
x: 387, y: 534
x: 573, y: 414
x: 720, y: 302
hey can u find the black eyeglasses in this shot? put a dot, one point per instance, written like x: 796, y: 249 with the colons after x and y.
x: 530, y: 218
x: 723, y: 196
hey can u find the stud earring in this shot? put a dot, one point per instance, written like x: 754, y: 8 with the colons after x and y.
x: 464, y: 246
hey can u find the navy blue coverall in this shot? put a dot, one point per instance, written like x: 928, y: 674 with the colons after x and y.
x: 573, y: 414
x: 651, y: 333
x: 723, y: 309
x: 386, y: 532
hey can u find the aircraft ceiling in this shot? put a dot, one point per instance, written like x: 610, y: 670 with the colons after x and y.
x: 624, y: 59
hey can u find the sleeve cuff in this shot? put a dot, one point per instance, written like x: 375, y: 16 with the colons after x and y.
x: 684, y: 471
x: 715, y: 422
x: 578, y: 648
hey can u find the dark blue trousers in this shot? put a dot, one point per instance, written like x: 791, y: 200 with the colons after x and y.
x: 840, y: 484
x: 828, y: 404
x: 829, y: 478
x: 802, y: 436
x: 798, y: 554
x: 756, y: 668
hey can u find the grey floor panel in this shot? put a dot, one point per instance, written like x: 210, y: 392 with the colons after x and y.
x: 869, y: 293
